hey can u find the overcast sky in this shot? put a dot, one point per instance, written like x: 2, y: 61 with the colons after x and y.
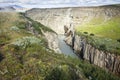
x: 57, y: 3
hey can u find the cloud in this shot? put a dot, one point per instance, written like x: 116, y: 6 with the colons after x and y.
x: 7, y: 1
x: 38, y: 3
x: 45, y: 1
x: 59, y: 1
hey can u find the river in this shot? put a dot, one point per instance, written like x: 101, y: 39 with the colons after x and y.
x: 65, y: 49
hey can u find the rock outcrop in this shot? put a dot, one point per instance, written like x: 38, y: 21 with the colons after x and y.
x: 51, y: 37
x: 95, y: 56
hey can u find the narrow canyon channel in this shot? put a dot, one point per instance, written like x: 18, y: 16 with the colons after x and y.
x: 65, y: 49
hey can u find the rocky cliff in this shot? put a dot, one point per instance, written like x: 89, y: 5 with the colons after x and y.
x: 86, y: 51
x: 52, y: 39
x: 58, y: 17
x: 50, y: 36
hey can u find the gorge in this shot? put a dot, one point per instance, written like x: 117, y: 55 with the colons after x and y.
x: 58, y: 17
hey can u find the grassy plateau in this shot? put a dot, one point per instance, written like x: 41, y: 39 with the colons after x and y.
x: 101, y: 32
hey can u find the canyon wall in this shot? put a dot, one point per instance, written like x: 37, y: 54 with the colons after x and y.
x: 53, y: 42
x: 103, y: 59
x: 51, y: 37
x: 56, y: 18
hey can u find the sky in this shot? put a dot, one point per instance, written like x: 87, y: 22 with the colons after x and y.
x: 57, y: 3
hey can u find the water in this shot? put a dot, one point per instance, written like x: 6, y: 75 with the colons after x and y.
x: 65, y: 49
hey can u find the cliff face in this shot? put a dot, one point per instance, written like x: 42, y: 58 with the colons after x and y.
x: 51, y: 37
x: 95, y: 56
x: 100, y: 58
x: 58, y: 17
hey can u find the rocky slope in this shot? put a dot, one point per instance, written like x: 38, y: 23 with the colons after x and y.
x: 58, y: 17
x: 52, y: 39
x: 50, y: 36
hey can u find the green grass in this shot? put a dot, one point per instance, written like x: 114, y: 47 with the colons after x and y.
x: 95, y: 73
x: 109, y: 29
x: 105, y: 32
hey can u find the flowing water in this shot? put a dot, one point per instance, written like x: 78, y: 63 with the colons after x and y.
x: 65, y: 49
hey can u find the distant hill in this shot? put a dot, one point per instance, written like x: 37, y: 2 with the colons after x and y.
x: 12, y: 8
x: 8, y: 8
x: 17, y: 7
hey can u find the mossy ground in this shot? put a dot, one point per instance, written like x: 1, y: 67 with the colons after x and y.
x: 25, y: 56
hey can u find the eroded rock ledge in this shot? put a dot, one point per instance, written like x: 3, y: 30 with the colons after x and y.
x: 51, y: 37
x: 105, y: 60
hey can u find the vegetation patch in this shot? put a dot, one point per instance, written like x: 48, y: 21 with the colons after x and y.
x: 91, y: 34
x: 4, y: 38
x: 85, y: 32
x: 1, y: 57
x: 118, y: 40
x: 26, y: 41
x: 95, y: 73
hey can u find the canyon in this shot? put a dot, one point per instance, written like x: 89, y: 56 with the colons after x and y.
x: 57, y: 18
